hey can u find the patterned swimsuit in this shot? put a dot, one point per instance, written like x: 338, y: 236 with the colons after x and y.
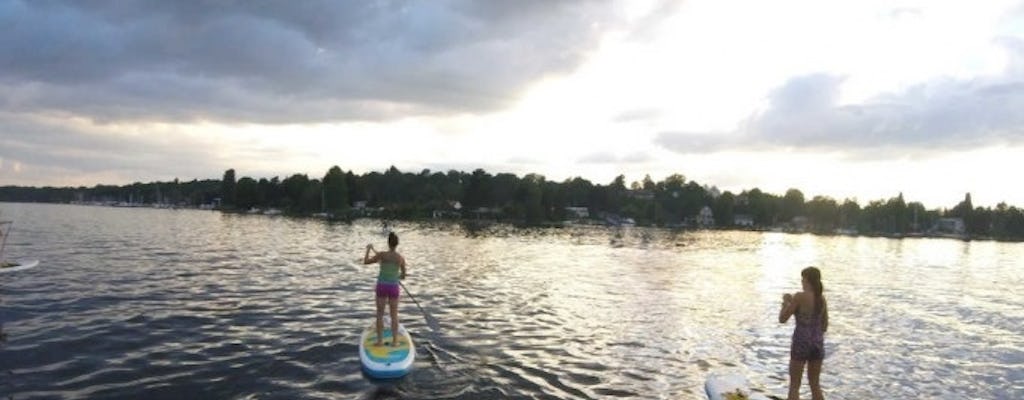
x: 808, y: 339
x: 387, y: 280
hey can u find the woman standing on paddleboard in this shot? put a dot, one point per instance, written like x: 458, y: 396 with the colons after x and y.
x: 808, y: 346
x: 392, y: 270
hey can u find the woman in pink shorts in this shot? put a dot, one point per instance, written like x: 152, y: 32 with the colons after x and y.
x: 392, y: 271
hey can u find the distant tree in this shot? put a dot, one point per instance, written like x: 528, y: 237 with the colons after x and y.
x: 246, y: 193
x: 792, y: 205
x: 724, y: 209
x: 763, y: 207
x: 534, y: 200
x: 920, y: 218
x: 577, y: 192
x: 616, y: 193
x: 391, y: 188
x: 354, y: 184
x: 554, y: 201
x: 964, y: 210
x: 227, y: 189
x: 849, y: 214
x: 294, y: 192
x: 1013, y: 225
x: 530, y: 195
x: 669, y: 194
x: 312, y: 197
x: 898, y: 219
x: 823, y: 213
x: 694, y: 198
x: 981, y: 221
x: 648, y: 183
x: 503, y: 190
x: 452, y: 190
x: 478, y: 190
x: 335, y: 191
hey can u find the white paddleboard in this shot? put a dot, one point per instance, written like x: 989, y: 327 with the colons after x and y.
x: 730, y: 387
x: 19, y: 265
x: 386, y: 361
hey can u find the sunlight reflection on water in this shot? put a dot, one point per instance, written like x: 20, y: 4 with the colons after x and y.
x: 137, y: 302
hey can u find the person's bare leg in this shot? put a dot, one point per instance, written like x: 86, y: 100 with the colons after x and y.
x: 380, y: 322
x: 394, y: 320
x: 813, y: 375
x: 796, y: 369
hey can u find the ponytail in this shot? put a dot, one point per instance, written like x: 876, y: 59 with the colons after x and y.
x: 813, y: 276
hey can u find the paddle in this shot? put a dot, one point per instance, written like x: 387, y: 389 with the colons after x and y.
x: 431, y: 322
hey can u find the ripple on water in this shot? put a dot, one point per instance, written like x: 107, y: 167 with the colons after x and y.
x: 186, y: 304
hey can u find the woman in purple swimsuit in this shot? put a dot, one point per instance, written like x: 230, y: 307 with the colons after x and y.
x: 808, y: 345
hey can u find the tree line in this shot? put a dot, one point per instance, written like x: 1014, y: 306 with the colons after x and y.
x: 534, y: 200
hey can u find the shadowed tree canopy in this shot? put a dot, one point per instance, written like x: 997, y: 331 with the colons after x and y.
x: 534, y: 200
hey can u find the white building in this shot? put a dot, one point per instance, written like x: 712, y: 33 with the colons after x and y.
x: 578, y: 212
x: 743, y: 220
x: 705, y: 217
x: 950, y: 225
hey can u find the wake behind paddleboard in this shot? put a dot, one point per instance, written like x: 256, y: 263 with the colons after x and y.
x: 386, y: 361
x: 730, y: 387
x: 19, y: 265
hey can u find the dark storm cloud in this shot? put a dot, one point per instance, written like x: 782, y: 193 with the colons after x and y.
x: 943, y: 114
x: 270, y: 61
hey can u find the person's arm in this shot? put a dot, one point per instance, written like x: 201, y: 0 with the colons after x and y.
x: 366, y: 257
x: 824, y: 316
x: 401, y: 263
x: 788, y: 307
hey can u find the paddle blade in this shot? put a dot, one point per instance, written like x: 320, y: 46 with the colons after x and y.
x: 431, y: 322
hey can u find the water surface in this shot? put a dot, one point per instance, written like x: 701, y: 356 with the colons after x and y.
x: 145, y: 303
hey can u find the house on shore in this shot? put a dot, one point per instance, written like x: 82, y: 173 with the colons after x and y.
x: 743, y: 220
x: 577, y: 212
x: 949, y: 227
x: 705, y: 218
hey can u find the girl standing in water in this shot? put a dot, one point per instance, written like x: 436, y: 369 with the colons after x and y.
x: 808, y: 346
x: 392, y: 271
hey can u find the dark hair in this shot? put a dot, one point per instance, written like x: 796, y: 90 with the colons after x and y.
x: 813, y: 276
x: 392, y: 240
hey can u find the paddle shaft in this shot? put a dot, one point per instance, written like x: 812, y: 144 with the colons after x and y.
x: 430, y: 320
x: 3, y: 238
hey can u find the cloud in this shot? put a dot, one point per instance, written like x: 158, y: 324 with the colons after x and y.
x: 44, y: 147
x: 698, y: 142
x: 278, y: 62
x: 943, y: 114
x: 609, y: 158
x: 638, y: 115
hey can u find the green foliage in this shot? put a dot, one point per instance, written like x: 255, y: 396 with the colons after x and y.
x: 335, y: 193
x: 247, y: 193
x: 792, y: 205
x: 227, y: 188
x: 534, y: 200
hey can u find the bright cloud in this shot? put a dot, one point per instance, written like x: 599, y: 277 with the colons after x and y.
x: 827, y: 96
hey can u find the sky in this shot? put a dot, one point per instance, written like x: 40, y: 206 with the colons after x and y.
x: 860, y: 99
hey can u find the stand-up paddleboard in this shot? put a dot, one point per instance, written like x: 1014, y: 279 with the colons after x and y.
x: 19, y: 265
x: 730, y: 387
x: 386, y: 361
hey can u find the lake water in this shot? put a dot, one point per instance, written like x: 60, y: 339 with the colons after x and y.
x: 146, y: 303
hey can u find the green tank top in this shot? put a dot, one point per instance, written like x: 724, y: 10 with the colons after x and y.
x: 389, y: 272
